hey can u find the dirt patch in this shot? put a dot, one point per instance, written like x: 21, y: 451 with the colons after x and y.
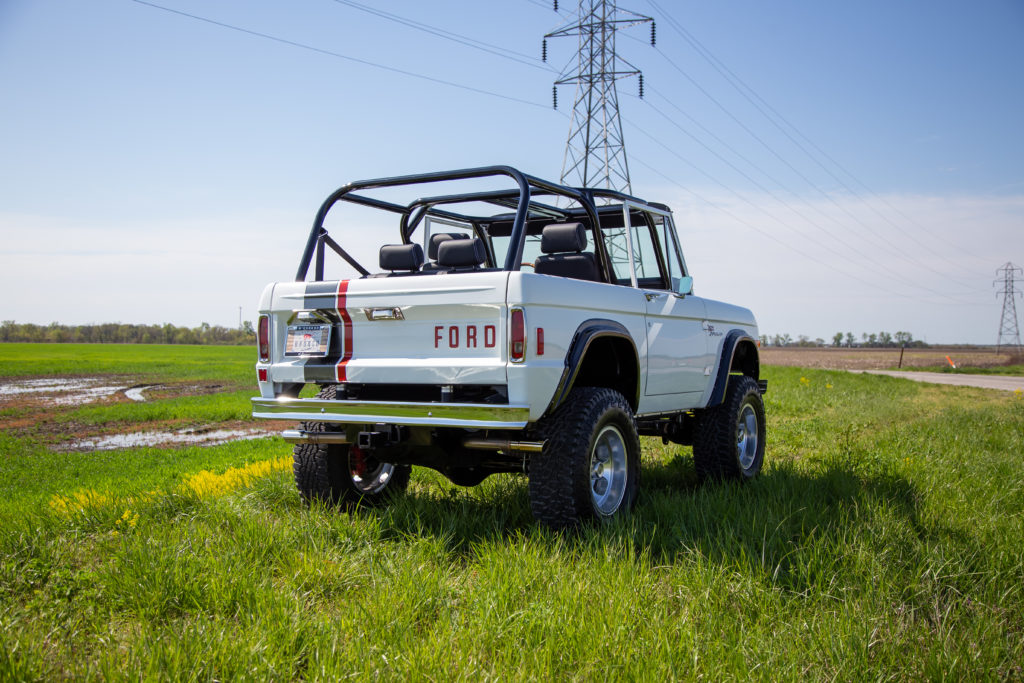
x: 45, y: 393
x: 202, y: 436
x: 68, y: 436
x: 59, y: 391
x: 882, y: 359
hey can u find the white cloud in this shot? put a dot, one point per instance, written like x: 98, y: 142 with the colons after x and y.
x: 931, y: 275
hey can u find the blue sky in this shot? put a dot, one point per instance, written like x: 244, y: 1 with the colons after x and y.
x: 158, y: 168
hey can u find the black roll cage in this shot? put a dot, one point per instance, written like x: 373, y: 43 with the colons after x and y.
x: 412, y: 214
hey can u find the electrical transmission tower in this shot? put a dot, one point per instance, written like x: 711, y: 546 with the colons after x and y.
x: 1009, y: 333
x: 595, y: 155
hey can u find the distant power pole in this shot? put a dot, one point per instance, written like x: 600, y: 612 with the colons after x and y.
x: 1009, y: 333
x: 595, y: 155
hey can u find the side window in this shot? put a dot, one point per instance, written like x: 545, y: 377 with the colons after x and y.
x: 645, y: 259
x: 618, y: 251
x: 645, y: 255
x: 645, y: 252
x: 670, y: 248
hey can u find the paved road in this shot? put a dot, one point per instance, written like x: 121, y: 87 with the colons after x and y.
x: 1004, y: 382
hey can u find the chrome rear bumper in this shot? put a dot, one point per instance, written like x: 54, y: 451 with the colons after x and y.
x: 469, y: 415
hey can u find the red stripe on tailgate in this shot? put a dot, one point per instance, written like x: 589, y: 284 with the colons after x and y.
x: 346, y: 322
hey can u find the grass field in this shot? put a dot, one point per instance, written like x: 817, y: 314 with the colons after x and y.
x: 974, y: 360
x: 884, y: 540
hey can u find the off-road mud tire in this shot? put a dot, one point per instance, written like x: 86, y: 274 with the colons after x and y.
x: 562, y: 488
x: 721, y: 446
x: 323, y: 473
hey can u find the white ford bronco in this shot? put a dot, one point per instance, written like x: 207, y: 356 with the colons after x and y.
x: 513, y: 325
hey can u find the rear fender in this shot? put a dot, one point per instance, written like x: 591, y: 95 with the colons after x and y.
x: 603, y: 344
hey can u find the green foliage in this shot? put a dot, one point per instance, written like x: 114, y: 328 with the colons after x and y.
x: 883, y: 540
x: 120, y: 333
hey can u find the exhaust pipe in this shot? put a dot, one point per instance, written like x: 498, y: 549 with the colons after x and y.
x: 298, y: 436
x: 502, y: 445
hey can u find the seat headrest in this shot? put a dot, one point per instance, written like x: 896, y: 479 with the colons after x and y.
x: 401, y: 257
x: 438, y: 237
x: 561, y: 237
x: 456, y: 253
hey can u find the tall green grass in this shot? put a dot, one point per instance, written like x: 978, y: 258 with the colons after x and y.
x: 154, y: 361
x: 884, y: 539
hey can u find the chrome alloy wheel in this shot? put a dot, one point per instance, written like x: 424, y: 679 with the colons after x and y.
x: 746, y: 436
x: 372, y: 479
x: 608, y: 470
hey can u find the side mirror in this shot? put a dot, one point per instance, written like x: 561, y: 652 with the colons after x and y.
x: 682, y: 285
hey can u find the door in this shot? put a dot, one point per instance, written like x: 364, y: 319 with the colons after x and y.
x: 679, y: 358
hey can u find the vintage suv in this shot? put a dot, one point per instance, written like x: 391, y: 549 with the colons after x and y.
x: 514, y: 325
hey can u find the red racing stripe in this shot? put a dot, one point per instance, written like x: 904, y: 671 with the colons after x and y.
x: 346, y: 321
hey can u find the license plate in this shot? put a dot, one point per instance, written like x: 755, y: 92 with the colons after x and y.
x: 307, y: 340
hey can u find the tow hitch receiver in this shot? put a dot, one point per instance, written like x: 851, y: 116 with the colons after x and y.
x: 381, y: 436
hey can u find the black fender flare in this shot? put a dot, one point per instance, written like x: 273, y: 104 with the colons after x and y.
x: 732, y: 341
x: 585, y: 335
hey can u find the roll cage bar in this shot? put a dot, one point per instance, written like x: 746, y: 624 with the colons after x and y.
x: 519, y: 200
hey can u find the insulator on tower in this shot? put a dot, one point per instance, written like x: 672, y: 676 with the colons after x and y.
x: 556, y: 5
x: 641, y: 86
x: 544, y: 50
x: 595, y: 151
x: 654, y: 34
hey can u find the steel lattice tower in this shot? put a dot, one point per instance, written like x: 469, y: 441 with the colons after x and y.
x: 595, y: 154
x: 1009, y: 333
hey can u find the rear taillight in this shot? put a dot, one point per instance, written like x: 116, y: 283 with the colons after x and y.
x: 517, y: 336
x: 264, y: 338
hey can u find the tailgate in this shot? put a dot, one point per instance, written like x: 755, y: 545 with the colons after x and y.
x: 434, y: 329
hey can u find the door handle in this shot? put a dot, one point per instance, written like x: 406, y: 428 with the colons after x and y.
x: 651, y: 296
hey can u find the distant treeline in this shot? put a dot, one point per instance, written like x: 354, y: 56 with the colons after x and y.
x: 880, y: 340
x: 117, y: 333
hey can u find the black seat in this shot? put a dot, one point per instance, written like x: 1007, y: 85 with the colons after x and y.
x: 458, y: 253
x: 435, y: 242
x: 395, y: 257
x: 563, y: 245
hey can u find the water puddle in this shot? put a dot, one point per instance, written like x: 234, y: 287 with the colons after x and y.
x: 59, y: 391
x: 135, y: 393
x: 188, y: 437
x: 67, y: 391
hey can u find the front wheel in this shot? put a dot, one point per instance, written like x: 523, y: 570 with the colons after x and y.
x: 590, y: 465
x: 729, y: 440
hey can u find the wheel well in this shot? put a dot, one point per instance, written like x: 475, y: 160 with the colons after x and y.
x: 745, y: 360
x: 610, y: 362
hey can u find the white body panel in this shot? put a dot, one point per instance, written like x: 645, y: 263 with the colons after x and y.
x: 559, y: 306
x: 453, y: 330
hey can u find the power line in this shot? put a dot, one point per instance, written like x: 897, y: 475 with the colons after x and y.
x: 338, y: 55
x: 785, y: 244
x: 749, y: 93
x: 504, y: 52
x: 870, y: 265
x: 909, y: 260
x: 778, y: 156
x: 788, y: 205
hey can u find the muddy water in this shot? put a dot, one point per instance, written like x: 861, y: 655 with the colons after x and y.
x: 59, y: 391
x: 188, y: 437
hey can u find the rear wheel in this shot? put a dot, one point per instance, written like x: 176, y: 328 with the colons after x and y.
x: 590, y: 465
x: 729, y: 440
x: 341, y: 474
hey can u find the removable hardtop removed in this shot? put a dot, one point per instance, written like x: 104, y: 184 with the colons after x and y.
x: 514, y: 325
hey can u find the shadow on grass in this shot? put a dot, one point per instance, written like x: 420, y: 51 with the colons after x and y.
x: 795, y: 525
